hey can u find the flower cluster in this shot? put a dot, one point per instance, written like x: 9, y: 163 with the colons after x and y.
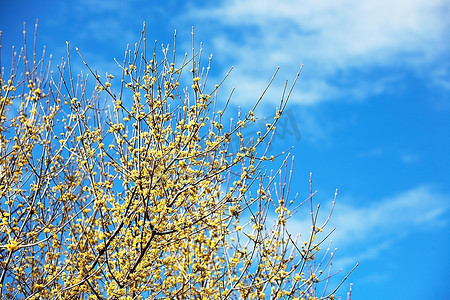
x: 131, y: 191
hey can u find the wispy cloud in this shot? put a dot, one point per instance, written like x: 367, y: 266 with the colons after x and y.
x: 331, y: 38
x: 371, y: 229
x: 409, y: 158
x: 396, y: 215
x: 378, y: 151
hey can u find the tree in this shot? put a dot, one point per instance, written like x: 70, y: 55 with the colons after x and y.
x: 129, y: 189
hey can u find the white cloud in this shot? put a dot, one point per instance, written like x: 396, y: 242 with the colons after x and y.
x: 403, y: 213
x: 330, y: 38
x: 368, y: 230
x: 374, y: 152
x: 409, y: 158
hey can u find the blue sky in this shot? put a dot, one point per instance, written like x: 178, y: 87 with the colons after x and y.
x: 369, y: 116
